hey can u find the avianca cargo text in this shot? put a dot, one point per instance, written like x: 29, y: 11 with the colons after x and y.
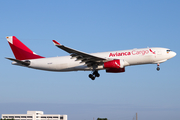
x: 133, y: 52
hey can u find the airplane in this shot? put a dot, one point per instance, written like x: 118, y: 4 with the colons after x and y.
x: 112, y: 62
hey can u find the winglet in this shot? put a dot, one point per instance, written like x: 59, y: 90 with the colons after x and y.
x: 55, y: 42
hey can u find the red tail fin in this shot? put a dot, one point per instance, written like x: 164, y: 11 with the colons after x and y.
x: 21, y: 51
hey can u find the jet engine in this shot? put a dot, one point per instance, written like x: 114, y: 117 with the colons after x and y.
x: 114, y: 66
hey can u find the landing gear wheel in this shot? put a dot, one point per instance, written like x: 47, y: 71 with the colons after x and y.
x: 96, y: 74
x: 91, y: 76
x: 158, y: 68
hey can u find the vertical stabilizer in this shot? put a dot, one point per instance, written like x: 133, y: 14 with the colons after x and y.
x: 21, y: 51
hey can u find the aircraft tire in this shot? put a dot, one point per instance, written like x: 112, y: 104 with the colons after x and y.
x: 96, y: 74
x: 91, y: 76
x: 158, y: 68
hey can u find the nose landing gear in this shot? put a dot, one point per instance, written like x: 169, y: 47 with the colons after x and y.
x: 158, y: 68
x: 94, y: 75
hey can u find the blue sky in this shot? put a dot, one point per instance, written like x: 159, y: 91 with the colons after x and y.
x: 91, y: 26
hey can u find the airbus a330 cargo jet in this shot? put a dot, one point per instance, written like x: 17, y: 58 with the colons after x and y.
x: 112, y: 62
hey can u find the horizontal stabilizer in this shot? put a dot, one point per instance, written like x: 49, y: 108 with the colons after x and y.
x: 25, y: 63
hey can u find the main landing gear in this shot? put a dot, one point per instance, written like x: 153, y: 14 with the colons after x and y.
x: 158, y: 68
x: 94, y: 75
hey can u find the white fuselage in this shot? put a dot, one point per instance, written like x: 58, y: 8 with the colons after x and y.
x: 130, y: 57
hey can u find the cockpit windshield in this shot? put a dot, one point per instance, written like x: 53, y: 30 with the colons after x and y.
x: 168, y: 51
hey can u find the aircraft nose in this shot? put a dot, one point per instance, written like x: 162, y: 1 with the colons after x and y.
x: 173, y: 54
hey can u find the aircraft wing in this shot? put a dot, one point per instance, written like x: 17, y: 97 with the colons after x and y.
x: 86, y: 58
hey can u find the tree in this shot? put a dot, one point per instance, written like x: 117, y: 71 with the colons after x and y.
x: 7, y: 119
x: 102, y: 119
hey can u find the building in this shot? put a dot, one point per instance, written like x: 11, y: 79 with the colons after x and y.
x: 34, y: 115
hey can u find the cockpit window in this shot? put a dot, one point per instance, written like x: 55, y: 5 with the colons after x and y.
x: 168, y: 51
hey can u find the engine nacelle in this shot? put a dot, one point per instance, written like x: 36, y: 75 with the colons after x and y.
x: 114, y: 64
x: 114, y: 70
